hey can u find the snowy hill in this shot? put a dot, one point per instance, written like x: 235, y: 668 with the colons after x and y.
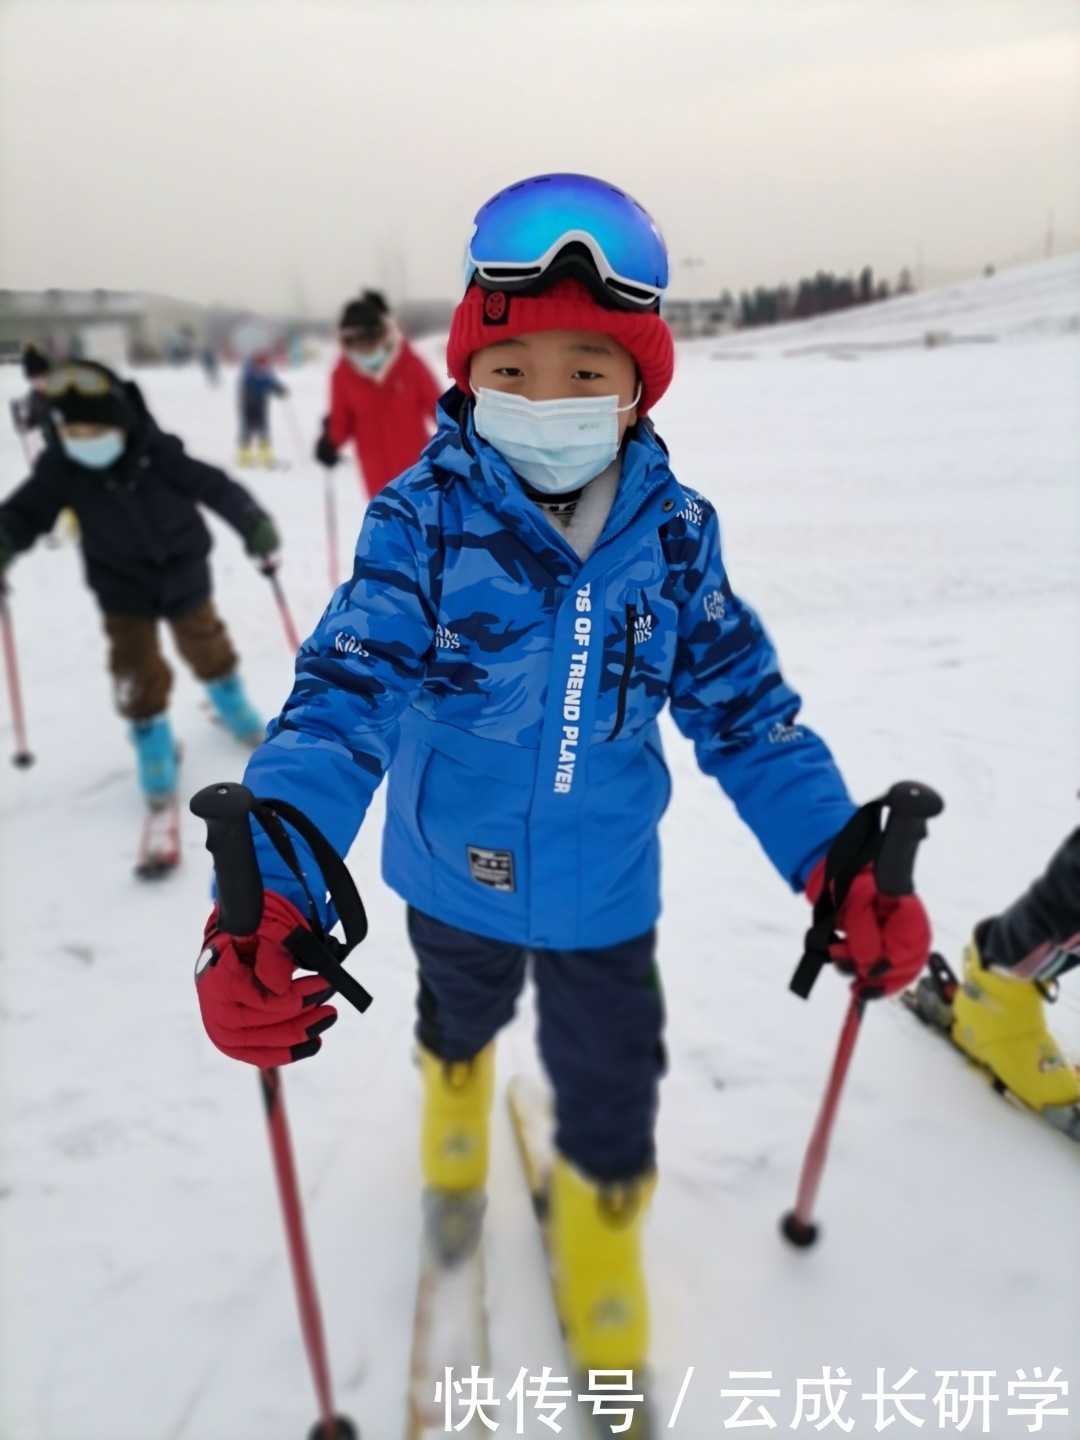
x: 908, y: 527
x: 1030, y: 301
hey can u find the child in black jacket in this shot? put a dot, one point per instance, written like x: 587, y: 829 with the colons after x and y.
x: 145, y: 547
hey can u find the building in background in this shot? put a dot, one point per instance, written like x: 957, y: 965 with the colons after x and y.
x: 709, y: 315
x: 114, y: 326
x: 124, y: 327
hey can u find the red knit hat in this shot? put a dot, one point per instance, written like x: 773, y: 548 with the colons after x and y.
x: 487, y: 316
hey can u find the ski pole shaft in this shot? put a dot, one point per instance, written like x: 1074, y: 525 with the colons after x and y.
x: 331, y: 527
x: 22, y: 756
x: 307, y: 1299
x: 296, y: 431
x: 226, y: 809
x: 270, y: 571
x: 798, y: 1225
x: 910, y: 805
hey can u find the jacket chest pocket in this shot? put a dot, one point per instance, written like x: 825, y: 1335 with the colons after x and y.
x: 640, y: 635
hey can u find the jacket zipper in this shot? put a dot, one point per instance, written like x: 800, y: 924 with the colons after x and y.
x: 628, y: 665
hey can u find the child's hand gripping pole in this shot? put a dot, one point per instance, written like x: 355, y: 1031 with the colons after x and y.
x: 910, y: 806
x: 227, y: 809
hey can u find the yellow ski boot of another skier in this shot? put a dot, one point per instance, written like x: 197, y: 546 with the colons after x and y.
x: 999, y: 1021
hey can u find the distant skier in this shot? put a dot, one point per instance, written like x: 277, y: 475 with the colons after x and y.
x: 257, y: 384
x: 136, y: 494
x: 382, y: 396
x: 208, y: 359
x: 29, y: 412
x: 995, y: 1012
x: 526, y: 600
x: 30, y: 415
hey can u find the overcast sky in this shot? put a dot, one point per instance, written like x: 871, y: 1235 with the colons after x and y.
x: 283, y: 152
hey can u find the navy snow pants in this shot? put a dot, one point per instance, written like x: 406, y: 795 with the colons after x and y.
x: 601, y: 1017
x: 254, y: 419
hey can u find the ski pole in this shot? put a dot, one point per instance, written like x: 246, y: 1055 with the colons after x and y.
x: 28, y: 454
x: 296, y: 431
x: 22, y: 756
x: 331, y: 526
x: 269, y: 569
x: 19, y: 426
x: 910, y: 805
x: 226, y: 810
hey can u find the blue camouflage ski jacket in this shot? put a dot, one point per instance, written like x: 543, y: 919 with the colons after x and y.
x: 512, y: 691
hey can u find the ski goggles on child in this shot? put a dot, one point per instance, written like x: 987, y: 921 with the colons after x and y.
x: 80, y: 394
x: 539, y: 231
x: 82, y: 379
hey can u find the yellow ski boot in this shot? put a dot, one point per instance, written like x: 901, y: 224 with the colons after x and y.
x: 454, y: 1151
x: 454, y: 1131
x: 245, y: 457
x: 998, y: 1021
x: 595, y: 1239
x: 266, y: 455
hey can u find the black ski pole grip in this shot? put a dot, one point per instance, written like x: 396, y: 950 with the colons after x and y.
x: 910, y: 806
x: 226, y: 808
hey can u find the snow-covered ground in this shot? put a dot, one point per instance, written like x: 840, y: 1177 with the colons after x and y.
x: 908, y: 523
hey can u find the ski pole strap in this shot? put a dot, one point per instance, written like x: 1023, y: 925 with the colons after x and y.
x: 860, y: 843
x: 315, y: 949
x: 855, y: 847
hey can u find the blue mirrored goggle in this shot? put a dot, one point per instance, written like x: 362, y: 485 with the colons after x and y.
x: 531, y: 232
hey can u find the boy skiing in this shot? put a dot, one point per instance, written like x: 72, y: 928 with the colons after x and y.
x: 136, y: 496
x: 382, y: 396
x: 525, y: 602
x: 257, y: 384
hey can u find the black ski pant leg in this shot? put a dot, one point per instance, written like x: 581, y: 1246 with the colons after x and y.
x: 469, y: 986
x: 1046, y: 916
x: 601, y: 1027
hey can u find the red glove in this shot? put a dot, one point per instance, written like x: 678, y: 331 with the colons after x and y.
x: 885, y: 939
x: 251, y: 1006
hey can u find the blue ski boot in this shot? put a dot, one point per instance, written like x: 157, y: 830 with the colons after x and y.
x: 156, y: 751
x: 235, y: 710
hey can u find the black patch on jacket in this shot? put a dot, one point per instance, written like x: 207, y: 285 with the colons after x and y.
x: 493, y: 868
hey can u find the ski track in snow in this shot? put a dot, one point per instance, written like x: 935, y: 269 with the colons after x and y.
x: 907, y: 523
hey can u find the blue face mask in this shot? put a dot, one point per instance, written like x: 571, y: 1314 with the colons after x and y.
x: 98, y: 453
x: 371, y: 363
x: 554, y: 445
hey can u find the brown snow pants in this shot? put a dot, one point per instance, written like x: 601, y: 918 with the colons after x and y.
x: 141, y: 678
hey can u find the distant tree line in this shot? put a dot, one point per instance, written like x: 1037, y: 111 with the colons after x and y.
x: 818, y: 294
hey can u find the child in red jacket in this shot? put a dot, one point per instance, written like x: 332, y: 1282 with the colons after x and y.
x: 382, y: 396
